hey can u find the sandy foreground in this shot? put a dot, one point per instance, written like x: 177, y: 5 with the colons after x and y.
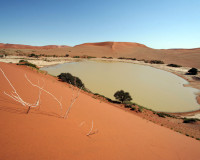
x: 43, y: 134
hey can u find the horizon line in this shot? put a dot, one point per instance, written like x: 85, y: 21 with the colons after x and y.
x: 89, y: 42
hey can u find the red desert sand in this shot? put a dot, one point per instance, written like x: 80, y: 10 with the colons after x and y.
x: 43, y: 134
x: 21, y: 46
x: 183, y: 57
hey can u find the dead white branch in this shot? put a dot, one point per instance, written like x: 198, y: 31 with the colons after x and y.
x: 81, y: 124
x: 90, y: 132
x: 15, y: 96
x: 73, y: 100
x: 44, y: 91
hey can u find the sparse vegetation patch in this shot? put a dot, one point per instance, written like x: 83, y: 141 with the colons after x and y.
x: 127, y: 58
x: 156, y: 62
x: 164, y: 115
x: 192, y: 71
x: 26, y: 63
x: 33, y: 55
x: 76, y: 56
x: 133, y: 108
x: 69, y: 78
x: 190, y: 120
x: 174, y: 65
x: 122, y: 96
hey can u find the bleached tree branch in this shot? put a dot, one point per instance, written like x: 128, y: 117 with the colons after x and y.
x: 15, y: 96
x: 73, y: 100
x: 44, y: 91
x: 9, y: 82
x: 89, y: 133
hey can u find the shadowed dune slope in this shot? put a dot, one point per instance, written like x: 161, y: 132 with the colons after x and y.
x: 42, y: 134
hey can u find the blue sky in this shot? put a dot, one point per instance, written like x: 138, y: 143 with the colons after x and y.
x: 155, y: 23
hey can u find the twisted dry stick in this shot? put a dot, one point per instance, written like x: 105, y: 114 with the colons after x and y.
x: 73, y: 100
x: 44, y: 91
x: 90, y: 132
x: 15, y: 96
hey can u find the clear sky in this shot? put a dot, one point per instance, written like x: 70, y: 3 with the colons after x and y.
x: 155, y: 23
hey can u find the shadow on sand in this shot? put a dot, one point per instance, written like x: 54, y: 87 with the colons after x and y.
x: 15, y: 107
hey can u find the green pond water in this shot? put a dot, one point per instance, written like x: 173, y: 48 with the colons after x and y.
x: 153, y: 88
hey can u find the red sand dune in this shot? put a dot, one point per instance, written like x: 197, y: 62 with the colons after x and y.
x: 184, y: 57
x: 20, y: 46
x: 42, y: 134
x: 113, y: 44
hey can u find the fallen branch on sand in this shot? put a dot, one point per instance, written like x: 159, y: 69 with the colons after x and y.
x: 89, y: 133
x: 15, y: 96
x: 44, y: 91
x: 73, y: 100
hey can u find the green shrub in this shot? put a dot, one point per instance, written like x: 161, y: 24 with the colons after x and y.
x: 76, y: 56
x: 121, y: 58
x: 33, y: 55
x: 112, y: 101
x: 110, y: 58
x: 122, y: 96
x: 103, y: 57
x: 90, y: 57
x: 26, y: 63
x: 133, y: 108
x: 67, y: 77
x: 192, y: 71
x: 140, y: 109
x: 130, y: 58
x: 156, y: 62
x: 127, y: 106
x: 174, y: 65
x: 133, y: 59
x: 1, y: 56
x: 127, y: 58
x: 129, y: 102
x: 169, y: 115
x: 108, y: 99
x: 22, y: 61
x: 161, y: 115
x: 190, y: 120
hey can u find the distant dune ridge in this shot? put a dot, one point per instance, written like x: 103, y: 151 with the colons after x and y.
x: 114, y: 44
x: 21, y: 46
x: 184, y: 57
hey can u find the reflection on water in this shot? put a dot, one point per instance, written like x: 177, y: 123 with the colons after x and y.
x: 150, y: 87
